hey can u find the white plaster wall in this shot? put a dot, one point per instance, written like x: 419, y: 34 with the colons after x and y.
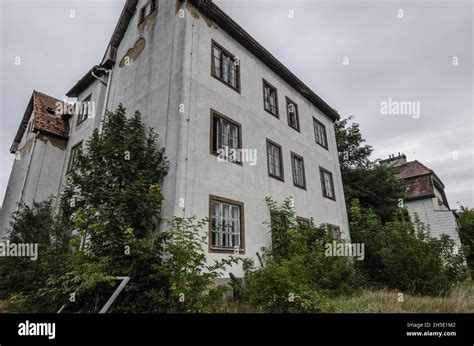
x: 247, y: 184
x: 41, y: 180
x: 440, y: 221
x: 152, y: 84
x: 83, y: 131
x: 44, y: 177
x: 16, y: 180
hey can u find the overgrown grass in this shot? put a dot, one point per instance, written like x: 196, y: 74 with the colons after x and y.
x: 460, y: 300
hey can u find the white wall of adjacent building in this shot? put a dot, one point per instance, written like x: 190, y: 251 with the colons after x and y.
x: 439, y: 221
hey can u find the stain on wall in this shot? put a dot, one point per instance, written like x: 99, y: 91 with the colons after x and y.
x: 133, y: 53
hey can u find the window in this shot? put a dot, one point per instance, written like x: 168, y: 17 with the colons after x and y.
x: 320, y: 133
x: 227, y: 225
x: 143, y: 11
x: 225, y: 66
x: 335, y: 230
x: 142, y: 16
x: 152, y: 6
x: 226, y: 137
x: 73, y: 157
x: 293, y: 117
x: 297, y: 164
x: 303, y: 222
x: 327, y: 183
x: 84, y: 110
x: 274, y: 160
x: 270, y: 98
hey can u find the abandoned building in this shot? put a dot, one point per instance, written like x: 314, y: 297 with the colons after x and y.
x: 425, y: 196
x: 204, y: 84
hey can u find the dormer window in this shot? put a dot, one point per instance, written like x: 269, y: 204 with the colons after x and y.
x: 142, y: 16
x: 146, y: 10
x: 50, y: 111
x: 152, y: 6
x: 84, y: 110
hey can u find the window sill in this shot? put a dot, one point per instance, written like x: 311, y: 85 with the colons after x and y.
x: 236, y: 89
x: 325, y: 147
x: 274, y: 114
x: 300, y: 187
x: 239, y: 163
x: 294, y: 128
x: 276, y: 177
x: 225, y: 250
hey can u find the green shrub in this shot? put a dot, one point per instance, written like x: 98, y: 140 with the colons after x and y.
x: 402, y: 255
x: 295, y: 275
x: 190, y: 276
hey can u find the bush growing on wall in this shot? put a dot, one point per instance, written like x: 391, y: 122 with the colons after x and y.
x: 189, y: 275
x: 295, y: 275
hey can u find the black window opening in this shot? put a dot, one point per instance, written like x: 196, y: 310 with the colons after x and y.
x: 320, y: 133
x: 225, y: 66
x: 270, y: 98
x: 293, y: 116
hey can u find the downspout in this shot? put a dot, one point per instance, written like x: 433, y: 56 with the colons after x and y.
x: 107, y: 92
x: 27, y: 170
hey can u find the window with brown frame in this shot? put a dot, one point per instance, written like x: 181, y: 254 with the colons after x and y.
x: 335, y: 230
x: 84, y: 110
x: 152, y: 6
x: 297, y: 163
x: 226, y: 226
x: 225, y: 66
x: 270, y: 98
x: 275, y: 160
x: 320, y: 133
x: 73, y: 157
x: 142, y: 14
x: 293, y: 116
x: 277, y: 219
x: 303, y: 222
x: 327, y: 183
x: 226, y: 137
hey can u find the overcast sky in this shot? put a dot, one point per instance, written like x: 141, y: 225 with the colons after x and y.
x: 356, y: 55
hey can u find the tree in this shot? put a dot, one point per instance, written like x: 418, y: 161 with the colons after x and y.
x: 295, y: 275
x: 466, y: 233
x: 373, y: 185
x: 400, y: 254
x: 112, y: 201
x: 186, y: 267
x: 22, y: 279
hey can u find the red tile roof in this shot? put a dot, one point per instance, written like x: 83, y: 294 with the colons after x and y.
x: 45, y: 120
x: 420, y: 186
x: 411, y: 169
x: 417, y: 179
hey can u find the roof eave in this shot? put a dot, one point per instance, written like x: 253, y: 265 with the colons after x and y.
x: 209, y: 9
x: 108, y: 60
x: 24, y: 123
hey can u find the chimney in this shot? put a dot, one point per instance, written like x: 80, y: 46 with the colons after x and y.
x: 394, y: 160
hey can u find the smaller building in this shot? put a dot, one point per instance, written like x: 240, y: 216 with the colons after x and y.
x: 39, y: 147
x: 425, y: 196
